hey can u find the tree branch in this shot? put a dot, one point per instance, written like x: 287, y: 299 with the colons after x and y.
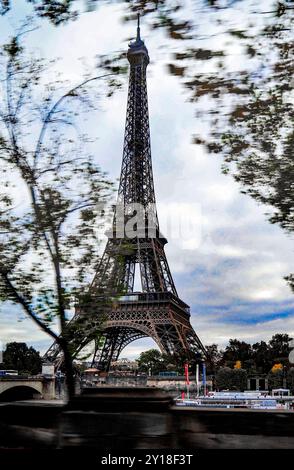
x: 47, y: 119
x: 20, y: 299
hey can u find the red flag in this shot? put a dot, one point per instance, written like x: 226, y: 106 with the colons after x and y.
x: 187, y: 374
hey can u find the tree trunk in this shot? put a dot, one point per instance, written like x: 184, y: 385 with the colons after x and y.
x: 69, y: 371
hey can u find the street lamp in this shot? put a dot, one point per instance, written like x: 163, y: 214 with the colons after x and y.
x: 204, y: 377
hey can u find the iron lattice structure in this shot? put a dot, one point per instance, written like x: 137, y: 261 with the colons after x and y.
x: 157, y: 311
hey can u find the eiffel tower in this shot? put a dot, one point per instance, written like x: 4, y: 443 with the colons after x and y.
x: 157, y: 311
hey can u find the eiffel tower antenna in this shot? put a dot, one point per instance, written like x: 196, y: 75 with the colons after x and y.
x: 156, y: 311
x: 138, y: 28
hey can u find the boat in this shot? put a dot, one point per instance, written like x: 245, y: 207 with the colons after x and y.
x: 245, y: 400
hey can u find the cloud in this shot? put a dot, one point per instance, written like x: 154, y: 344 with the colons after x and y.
x: 17, y: 327
x: 220, y: 333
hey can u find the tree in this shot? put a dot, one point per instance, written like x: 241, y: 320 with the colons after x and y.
x: 237, y: 351
x: 223, y: 379
x: 231, y: 379
x: 254, y: 98
x: 150, y: 361
x: 279, y: 348
x: 20, y: 357
x: 240, y: 379
x: 249, y: 110
x: 49, y: 243
x: 261, y: 357
x: 176, y: 362
x: 276, y: 379
x: 213, y: 358
x: 154, y: 361
x: 56, y: 11
x: 277, y: 367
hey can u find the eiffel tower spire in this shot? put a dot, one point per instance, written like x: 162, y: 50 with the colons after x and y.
x: 138, y: 28
x: 156, y: 311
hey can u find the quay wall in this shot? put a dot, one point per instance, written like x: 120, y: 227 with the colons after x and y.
x: 141, y: 419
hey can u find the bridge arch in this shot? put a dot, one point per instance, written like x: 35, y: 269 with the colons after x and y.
x: 20, y: 392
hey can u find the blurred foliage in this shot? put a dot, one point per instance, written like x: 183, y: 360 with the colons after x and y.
x: 49, y: 238
x: 56, y: 11
x: 247, y: 108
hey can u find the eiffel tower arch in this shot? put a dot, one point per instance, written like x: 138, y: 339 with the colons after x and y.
x: 156, y: 311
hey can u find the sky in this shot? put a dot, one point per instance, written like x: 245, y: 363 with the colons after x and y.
x: 227, y: 261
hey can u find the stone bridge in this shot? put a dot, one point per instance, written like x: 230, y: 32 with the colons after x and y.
x: 23, y: 388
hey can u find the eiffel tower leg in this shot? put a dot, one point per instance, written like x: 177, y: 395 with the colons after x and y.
x: 96, y: 349
x: 116, y: 339
x: 107, y: 353
x: 178, y: 340
x: 171, y: 339
x: 194, y: 342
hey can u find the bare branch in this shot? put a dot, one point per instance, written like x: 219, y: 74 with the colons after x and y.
x: 69, y: 94
x: 20, y: 299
